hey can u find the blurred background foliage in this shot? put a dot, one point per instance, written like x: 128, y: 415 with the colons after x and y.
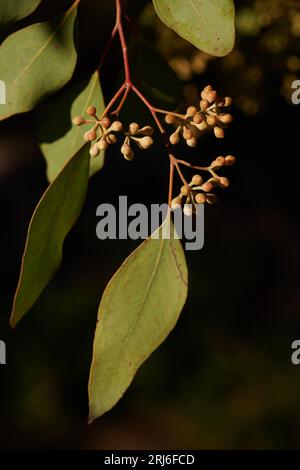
x: 224, y: 378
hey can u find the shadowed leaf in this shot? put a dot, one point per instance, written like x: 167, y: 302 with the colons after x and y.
x: 14, y: 10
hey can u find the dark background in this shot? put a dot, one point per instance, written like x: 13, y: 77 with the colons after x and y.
x: 224, y: 377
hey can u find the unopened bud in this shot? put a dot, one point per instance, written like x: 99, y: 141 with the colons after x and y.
x: 228, y: 101
x: 187, y: 133
x: 170, y: 119
x: 127, y: 151
x: 224, y: 182
x: 188, y: 210
x: 200, y: 198
x: 230, y: 160
x: 176, y: 203
x: 116, y: 126
x: 211, y: 199
x: 219, y: 133
x: 197, y: 119
x: 134, y: 128
x: 105, y: 122
x: 197, y: 180
x: 204, y: 104
x: 226, y: 118
x: 147, y: 130
x: 90, y: 136
x: 174, y: 138
x: 191, y: 111
x: 91, y: 111
x: 78, y: 120
x: 145, y: 142
x: 111, y: 139
x: 192, y: 142
x: 185, y: 191
x: 94, y: 151
x: 211, y: 120
x: 102, y: 144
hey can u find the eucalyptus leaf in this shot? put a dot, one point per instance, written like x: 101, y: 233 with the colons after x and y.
x: 207, y: 24
x: 53, y: 218
x: 140, y: 306
x: 37, y: 61
x: 14, y: 10
x: 59, y: 138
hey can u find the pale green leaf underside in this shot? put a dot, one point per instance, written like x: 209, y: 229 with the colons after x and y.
x: 53, y: 218
x: 37, y: 61
x: 139, y: 308
x: 59, y: 138
x: 207, y: 24
x: 13, y: 10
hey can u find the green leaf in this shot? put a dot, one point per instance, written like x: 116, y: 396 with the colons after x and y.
x: 207, y: 24
x: 139, y: 308
x: 14, y: 10
x: 53, y: 218
x: 59, y: 138
x: 37, y: 61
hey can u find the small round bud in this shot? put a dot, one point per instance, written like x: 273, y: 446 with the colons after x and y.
x: 111, y: 139
x: 116, y: 126
x: 211, y: 199
x: 185, y: 191
x: 94, y: 151
x: 197, y: 180
x: 188, y: 210
x: 211, y: 120
x: 202, y: 126
x: 211, y: 96
x: 192, y: 142
x: 147, y: 130
x: 102, y: 144
x: 105, y: 122
x: 90, y: 136
x: 176, y: 203
x: 228, y: 101
x: 218, y: 163
x: 230, y: 160
x: 204, y: 104
x: 197, y: 119
x: 208, y: 88
x: 200, y: 198
x: 208, y: 186
x: 224, y: 182
x: 127, y: 151
x: 78, y: 120
x: 191, y: 111
x: 174, y: 138
x: 187, y: 133
x: 134, y: 128
x: 170, y: 119
x: 226, y: 118
x: 145, y: 142
x: 91, y: 111
x: 219, y: 133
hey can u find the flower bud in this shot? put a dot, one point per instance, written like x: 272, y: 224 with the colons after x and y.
x: 116, y: 126
x: 78, y: 120
x: 187, y: 133
x: 197, y: 119
x: 185, y: 191
x: 134, y: 128
x: 228, y: 101
x: 170, y: 119
x: 191, y: 111
x: 192, y: 142
x: 208, y: 186
x: 230, y: 160
x: 176, y: 203
x: 126, y: 150
x: 91, y: 111
x: 211, y: 199
x: 200, y: 198
x: 224, y: 182
x: 147, y: 130
x: 105, y: 122
x: 226, y: 118
x: 174, y: 138
x: 188, y: 209
x: 204, y: 104
x: 211, y: 96
x: 102, y: 144
x: 218, y: 163
x: 211, y: 120
x: 90, y: 136
x: 202, y: 126
x: 197, y: 180
x: 219, y: 133
x: 111, y: 139
x: 145, y: 142
x: 94, y: 151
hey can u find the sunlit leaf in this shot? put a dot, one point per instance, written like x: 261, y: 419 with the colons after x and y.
x: 139, y: 308
x: 13, y: 10
x: 37, y: 61
x: 53, y: 218
x: 59, y: 138
x: 207, y: 24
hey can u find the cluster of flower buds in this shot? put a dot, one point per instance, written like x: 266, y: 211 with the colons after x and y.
x: 140, y: 136
x: 212, y: 114
x: 103, y: 133
x: 199, y: 191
